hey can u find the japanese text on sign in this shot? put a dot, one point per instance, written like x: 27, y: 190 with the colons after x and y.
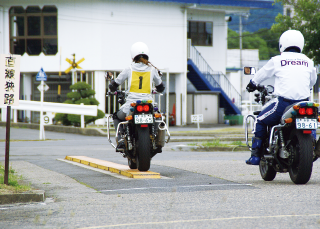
x: 197, y: 118
x: 9, y: 79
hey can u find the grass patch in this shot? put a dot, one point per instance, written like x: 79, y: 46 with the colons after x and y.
x: 204, y: 130
x: 22, y: 140
x: 216, y: 143
x: 14, y: 181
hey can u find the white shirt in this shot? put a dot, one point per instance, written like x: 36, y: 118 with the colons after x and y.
x: 294, y: 75
x: 129, y: 73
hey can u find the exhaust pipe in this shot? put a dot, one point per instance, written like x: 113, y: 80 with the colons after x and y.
x: 161, y: 135
x: 317, y: 148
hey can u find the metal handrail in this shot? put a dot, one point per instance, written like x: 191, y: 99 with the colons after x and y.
x: 215, y: 78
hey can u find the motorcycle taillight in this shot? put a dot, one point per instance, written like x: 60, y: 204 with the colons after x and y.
x: 309, y: 111
x: 139, y: 108
x: 146, y: 108
x: 302, y: 111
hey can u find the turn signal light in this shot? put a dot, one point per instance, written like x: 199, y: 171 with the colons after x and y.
x: 157, y: 115
x: 288, y: 120
x: 296, y: 107
x: 133, y: 104
x: 129, y: 117
x: 318, y: 118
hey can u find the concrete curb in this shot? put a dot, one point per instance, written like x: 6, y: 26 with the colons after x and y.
x: 32, y: 196
x: 60, y: 128
x: 212, y: 148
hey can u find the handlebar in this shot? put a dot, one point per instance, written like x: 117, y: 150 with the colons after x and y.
x: 117, y: 92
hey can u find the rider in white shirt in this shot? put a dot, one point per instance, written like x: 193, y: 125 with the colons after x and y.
x: 140, y: 76
x: 295, y: 76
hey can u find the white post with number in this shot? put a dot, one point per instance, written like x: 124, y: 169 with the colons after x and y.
x: 197, y: 118
x: 42, y: 87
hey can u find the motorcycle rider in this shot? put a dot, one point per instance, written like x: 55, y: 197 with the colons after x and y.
x: 295, y: 76
x: 140, y: 75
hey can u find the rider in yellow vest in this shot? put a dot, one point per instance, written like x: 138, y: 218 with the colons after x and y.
x: 140, y: 76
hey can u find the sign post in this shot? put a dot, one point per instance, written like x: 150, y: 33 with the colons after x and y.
x: 9, y: 91
x: 42, y: 76
x: 197, y: 118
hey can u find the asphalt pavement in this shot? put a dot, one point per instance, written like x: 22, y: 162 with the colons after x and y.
x: 198, y: 189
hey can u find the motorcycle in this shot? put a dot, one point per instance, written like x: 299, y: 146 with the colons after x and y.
x: 144, y: 132
x: 291, y: 145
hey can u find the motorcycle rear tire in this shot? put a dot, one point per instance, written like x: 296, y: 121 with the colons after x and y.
x: 267, y: 172
x: 301, y: 169
x: 143, y: 148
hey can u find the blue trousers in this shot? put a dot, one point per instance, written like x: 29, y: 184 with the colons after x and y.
x: 271, y: 115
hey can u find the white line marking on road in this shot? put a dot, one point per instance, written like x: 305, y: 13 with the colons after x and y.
x: 186, y: 186
x: 201, y: 220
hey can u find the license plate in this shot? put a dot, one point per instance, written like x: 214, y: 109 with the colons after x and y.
x: 306, y: 123
x: 140, y: 119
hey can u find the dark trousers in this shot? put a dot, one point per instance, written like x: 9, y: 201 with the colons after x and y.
x: 271, y: 115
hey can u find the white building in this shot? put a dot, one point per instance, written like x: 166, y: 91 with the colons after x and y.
x: 47, y: 32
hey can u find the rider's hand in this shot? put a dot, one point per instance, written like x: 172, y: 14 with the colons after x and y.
x: 251, y: 87
x: 160, y: 88
x: 113, y: 86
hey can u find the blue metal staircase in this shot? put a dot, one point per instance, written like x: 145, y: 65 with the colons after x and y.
x: 204, y: 78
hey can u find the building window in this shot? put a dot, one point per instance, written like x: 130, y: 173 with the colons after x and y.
x: 200, y: 33
x: 33, y: 30
x: 288, y: 12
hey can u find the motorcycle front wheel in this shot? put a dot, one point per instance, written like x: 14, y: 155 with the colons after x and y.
x: 267, y: 172
x: 143, y: 148
x: 302, y: 150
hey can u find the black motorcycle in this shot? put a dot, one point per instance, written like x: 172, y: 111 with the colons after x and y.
x: 144, y: 132
x: 290, y: 145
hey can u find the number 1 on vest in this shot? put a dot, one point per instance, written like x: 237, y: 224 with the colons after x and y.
x: 140, y: 82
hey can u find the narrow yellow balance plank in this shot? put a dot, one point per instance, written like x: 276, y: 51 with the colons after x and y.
x: 113, y: 167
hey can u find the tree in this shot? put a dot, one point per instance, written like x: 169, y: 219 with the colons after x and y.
x: 249, y: 41
x: 306, y: 19
x: 82, y: 94
x: 272, y: 40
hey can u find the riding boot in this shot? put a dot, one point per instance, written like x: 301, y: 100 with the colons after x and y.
x: 255, y: 152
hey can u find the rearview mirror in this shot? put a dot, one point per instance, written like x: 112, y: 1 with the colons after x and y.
x: 108, y: 75
x: 249, y: 70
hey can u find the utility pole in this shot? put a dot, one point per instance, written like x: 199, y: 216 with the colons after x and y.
x: 240, y: 47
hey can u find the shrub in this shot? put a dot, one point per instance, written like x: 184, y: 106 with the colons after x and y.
x: 82, y: 93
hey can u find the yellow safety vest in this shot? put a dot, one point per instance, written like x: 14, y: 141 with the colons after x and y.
x: 140, y: 82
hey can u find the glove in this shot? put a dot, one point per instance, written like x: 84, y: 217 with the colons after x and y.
x: 113, y: 86
x: 160, y: 87
x: 251, y: 87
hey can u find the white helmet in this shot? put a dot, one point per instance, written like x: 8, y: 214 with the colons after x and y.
x: 139, y: 48
x: 291, y: 38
